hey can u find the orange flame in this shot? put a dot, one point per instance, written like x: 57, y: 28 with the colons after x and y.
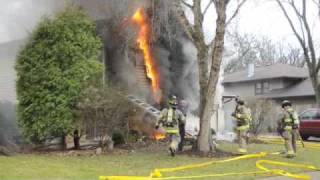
x: 143, y: 40
x: 159, y: 136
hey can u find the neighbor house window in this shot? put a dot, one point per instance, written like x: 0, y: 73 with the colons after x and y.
x: 258, y: 88
x: 265, y: 86
x: 261, y: 87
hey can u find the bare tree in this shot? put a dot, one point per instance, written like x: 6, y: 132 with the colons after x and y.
x: 208, y: 77
x: 317, y: 3
x: 303, y: 33
x: 262, y: 112
x: 260, y: 50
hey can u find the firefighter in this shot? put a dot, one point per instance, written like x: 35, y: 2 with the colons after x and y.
x: 169, y: 119
x: 183, y: 107
x: 289, y: 124
x: 243, y: 118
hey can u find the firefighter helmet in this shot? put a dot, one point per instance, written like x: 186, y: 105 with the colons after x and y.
x: 239, y: 101
x: 286, y: 103
x: 173, y: 102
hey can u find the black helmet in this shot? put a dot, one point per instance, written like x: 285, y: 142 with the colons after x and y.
x: 286, y: 103
x: 173, y: 102
x: 239, y: 100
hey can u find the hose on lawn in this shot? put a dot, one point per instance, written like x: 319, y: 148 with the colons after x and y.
x: 156, y: 174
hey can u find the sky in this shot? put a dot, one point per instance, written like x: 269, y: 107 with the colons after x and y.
x: 260, y: 17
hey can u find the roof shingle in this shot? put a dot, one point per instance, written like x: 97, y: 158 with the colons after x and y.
x: 267, y: 72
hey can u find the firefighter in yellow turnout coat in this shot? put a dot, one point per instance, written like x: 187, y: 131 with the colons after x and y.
x: 169, y: 119
x: 243, y: 118
x: 289, y: 123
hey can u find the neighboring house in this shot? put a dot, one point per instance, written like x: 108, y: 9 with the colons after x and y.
x: 275, y: 82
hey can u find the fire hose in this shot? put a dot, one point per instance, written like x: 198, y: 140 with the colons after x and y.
x: 157, y: 173
x: 275, y: 140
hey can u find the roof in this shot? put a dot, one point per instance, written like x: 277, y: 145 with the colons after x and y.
x: 267, y: 72
x: 301, y: 89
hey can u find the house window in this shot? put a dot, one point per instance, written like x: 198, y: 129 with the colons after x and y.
x: 258, y: 88
x: 261, y: 87
x: 265, y: 87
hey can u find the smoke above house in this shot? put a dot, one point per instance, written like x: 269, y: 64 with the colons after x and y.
x: 19, y: 17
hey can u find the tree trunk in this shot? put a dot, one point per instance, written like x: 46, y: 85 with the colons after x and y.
x: 202, y: 57
x: 316, y: 86
x: 205, y: 117
x: 76, y: 139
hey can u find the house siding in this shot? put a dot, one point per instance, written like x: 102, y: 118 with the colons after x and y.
x: 244, y: 89
x: 276, y: 84
x: 247, y: 90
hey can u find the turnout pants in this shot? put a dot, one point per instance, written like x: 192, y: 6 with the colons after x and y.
x: 290, y: 138
x: 174, y: 141
x: 242, y: 138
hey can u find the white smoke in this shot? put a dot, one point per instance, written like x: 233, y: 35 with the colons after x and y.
x: 19, y: 17
x: 189, y: 83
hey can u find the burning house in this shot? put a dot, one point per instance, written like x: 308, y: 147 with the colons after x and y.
x: 145, y: 53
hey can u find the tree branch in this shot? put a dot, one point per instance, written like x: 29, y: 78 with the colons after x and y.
x: 235, y: 12
x: 186, y: 4
x: 207, y: 7
x: 318, y: 4
x: 302, y: 43
x: 300, y: 17
x: 309, y: 35
x: 189, y: 29
x: 318, y: 66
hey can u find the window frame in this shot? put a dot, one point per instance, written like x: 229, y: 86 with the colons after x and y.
x: 264, y: 87
x: 256, y: 88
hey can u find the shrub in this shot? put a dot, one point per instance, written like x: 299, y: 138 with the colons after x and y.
x: 53, y: 67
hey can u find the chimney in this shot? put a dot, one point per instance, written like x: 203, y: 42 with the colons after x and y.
x: 250, y: 70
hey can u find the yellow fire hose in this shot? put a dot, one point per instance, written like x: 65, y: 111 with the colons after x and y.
x: 156, y: 174
x: 275, y: 140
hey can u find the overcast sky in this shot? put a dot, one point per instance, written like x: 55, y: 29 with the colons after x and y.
x: 261, y: 17
x: 265, y: 18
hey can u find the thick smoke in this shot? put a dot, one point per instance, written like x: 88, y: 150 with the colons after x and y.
x: 8, y: 126
x: 189, y: 83
x: 164, y: 65
x: 18, y: 17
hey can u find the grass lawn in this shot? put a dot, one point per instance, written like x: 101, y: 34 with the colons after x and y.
x: 57, y: 167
